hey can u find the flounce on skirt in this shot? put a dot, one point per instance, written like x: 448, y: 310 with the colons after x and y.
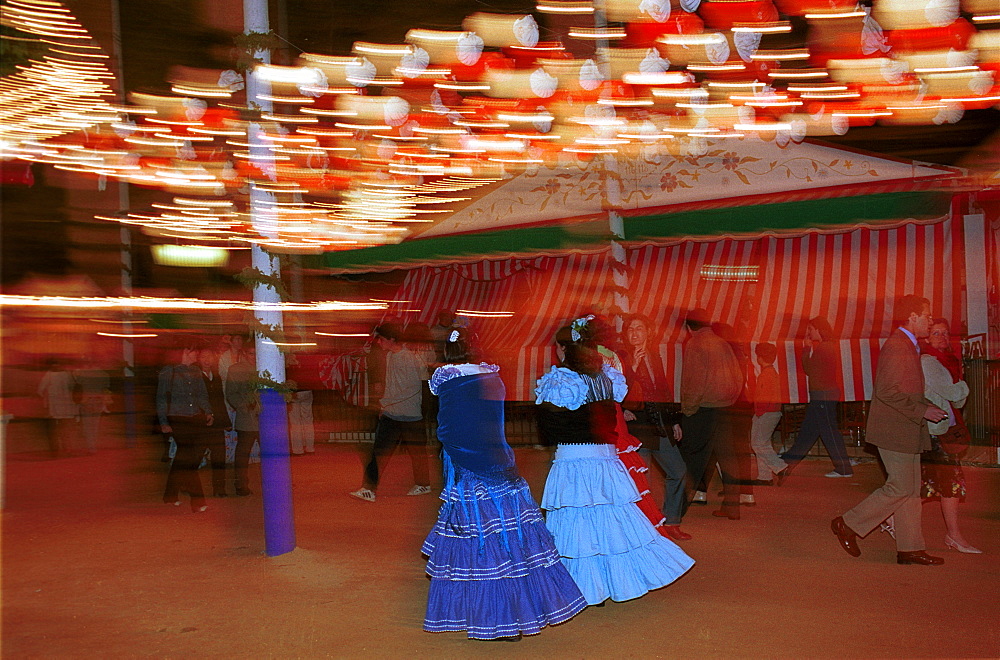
x: 609, y: 547
x: 627, y: 446
x: 493, y: 566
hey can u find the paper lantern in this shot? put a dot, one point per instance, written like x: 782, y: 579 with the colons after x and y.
x: 341, y: 71
x: 575, y: 75
x: 915, y: 14
x: 955, y: 35
x: 724, y: 14
x: 374, y: 110
x: 928, y: 112
x: 820, y: 124
x: 624, y: 11
x: 537, y: 83
x: 801, y: 7
x: 684, y: 49
x: 987, y: 44
x: 498, y: 30
x: 865, y: 71
x: 447, y: 47
x: 937, y: 59
x: 958, y: 84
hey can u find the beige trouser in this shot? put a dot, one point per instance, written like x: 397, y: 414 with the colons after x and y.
x: 899, y: 496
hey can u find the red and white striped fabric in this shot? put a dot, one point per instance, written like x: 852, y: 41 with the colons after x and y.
x: 851, y: 277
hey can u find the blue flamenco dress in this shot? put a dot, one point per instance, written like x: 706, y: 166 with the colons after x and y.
x: 609, y: 547
x: 493, y: 566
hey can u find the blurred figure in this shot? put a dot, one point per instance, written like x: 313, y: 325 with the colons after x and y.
x: 495, y: 573
x: 941, y: 468
x: 400, y: 419
x: 242, y: 395
x: 733, y: 453
x: 766, y: 414
x: 301, y: 430
x: 420, y: 342
x: 651, y: 419
x: 56, y: 390
x: 711, y: 382
x: 95, y: 393
x: 215, y: 434
x: 440, y: 331
x: 184, y: 411
x: 607, y: 544
x: 233, y: 347
x: 896, y: 425
x: 821, y: 362
x: 626, y: 444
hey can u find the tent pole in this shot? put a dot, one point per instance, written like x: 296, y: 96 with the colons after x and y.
x: 276, y: 475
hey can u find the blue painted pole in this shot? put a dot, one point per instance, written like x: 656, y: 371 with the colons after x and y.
x: 276, y: 475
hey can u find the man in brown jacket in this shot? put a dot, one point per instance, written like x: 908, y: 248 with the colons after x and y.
x: 897, y: 425
x: 711, y: 381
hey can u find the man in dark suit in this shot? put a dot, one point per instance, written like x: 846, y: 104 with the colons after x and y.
x: 215, y: 435
x: 897, y: 425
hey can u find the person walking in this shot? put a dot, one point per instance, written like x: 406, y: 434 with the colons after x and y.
x: 941, y: 468
x: 94, y: 386
x: 301, y: 428
x: 184, y: 412
x: 215, y: 434
x: 493, y: 566
x: 400, y: 418
x: 821, y: 362
x: 56, y: 391
x: 766, y: 415
x: 711, y: 382
x: 243, y: 397
x: 651, y: 420
x: 897, y: 426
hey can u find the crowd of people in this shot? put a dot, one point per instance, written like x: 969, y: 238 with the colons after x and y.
x: 607, y: 408
x: 502, y: 565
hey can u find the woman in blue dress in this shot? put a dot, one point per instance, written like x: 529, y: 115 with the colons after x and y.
x: 609, y: 547
x: 494, y: 570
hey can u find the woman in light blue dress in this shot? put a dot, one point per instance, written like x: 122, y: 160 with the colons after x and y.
x: 607, y: 544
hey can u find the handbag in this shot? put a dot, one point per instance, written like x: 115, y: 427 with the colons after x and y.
x: 955, y: 440
x: 657, y: 419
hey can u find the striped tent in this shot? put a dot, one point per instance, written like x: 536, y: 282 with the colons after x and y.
x: 763, y: 263
x: 767, y: 286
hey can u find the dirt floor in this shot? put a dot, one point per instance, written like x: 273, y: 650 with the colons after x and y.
x: 95, y: 566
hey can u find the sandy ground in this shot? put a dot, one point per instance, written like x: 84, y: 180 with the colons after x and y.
x: 95, y: 566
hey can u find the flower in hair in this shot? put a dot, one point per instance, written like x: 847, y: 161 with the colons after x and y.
x: 453, y: 337
x: 578, y: 325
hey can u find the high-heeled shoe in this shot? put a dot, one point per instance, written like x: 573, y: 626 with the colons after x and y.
x: 723, y: 513
x: 961, y: 547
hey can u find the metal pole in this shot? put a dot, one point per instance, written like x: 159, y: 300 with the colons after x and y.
x: 276, y: 473
x: 125, y: 253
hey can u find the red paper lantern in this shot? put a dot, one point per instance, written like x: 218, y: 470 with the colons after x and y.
x: 954, y: 36
x: 724, y: 14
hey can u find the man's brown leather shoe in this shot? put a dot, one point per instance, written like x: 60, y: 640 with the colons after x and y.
x: 848, y: 539
x: 918, y: 557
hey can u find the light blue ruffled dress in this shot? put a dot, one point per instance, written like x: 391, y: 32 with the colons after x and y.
x: 606, y: 543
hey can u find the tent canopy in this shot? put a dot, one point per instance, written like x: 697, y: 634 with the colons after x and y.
x: 761, y: 188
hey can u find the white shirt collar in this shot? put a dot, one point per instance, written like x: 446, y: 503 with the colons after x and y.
x: 912, y: 337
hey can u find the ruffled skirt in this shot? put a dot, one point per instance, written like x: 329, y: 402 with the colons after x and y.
x: 628, y: 447
x: 493, y: 566
x: 609, y: 547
